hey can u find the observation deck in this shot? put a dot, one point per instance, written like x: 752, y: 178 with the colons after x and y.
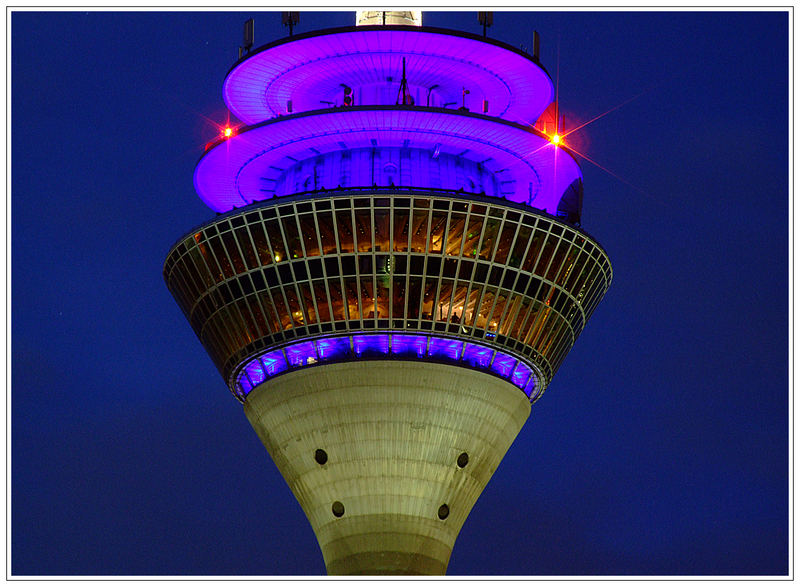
x: 395, y: 274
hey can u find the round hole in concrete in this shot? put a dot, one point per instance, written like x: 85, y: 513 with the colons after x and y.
x: 462, y: 461
x: 321, y: 456
x: 338, y: 509
x: 444, y: 511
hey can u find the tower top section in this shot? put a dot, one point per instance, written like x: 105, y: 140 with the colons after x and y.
x: 403, y: 17
x: 444, y: 68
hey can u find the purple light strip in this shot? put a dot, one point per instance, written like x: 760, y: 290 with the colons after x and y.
x: 343, y: 348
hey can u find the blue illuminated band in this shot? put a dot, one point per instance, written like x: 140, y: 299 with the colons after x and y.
x: 365, y: 346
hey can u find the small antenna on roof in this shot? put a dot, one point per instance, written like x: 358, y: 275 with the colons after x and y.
x: 403, y: 94
x: 249, y: 34
x: 290, y: 19
x: 486, y: 19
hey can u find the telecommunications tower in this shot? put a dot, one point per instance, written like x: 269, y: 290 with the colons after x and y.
x: 395, y: 274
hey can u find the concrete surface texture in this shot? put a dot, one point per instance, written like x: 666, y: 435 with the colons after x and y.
x: 387, y: 457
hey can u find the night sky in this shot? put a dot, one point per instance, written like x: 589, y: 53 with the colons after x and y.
x: 661, y: 447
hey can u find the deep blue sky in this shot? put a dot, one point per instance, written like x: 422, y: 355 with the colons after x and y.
x: 661, y: 447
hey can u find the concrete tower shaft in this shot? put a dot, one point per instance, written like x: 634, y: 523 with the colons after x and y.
x: 395, y: 274
x: 387, y: 461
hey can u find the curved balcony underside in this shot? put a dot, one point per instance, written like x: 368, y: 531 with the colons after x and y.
x: 306, y: 69
x: 272, y: 282
x: 250, y: 165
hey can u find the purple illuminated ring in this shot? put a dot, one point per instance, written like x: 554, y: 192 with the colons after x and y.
x: 395, y: 345
x: 240, y: 170
x: 297, y: 73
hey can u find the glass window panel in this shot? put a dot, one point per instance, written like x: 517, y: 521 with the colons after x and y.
x: 486, y: 307
x: 274, y: 363
x: 197, y: 256
x: 445, y: 348
x: 363, y: 229
x: 344, y: 225
x: 270, y: 313
x: 371, y: 344
x: 243, y: 238
x: 523, y: 235
x: 368, y: 299
x: 443, y: 310
x: 414, y: 291
x: 455, y: 233
x: 521, y: 375
x: 382, y: 229
x: 337, y: 300
x: 293, y: 245
x: 294, y: 305
x: 244, y: 384
x: 352, y: 295
x: 503, y: 364
x: 255, y: 372
x: 438, y: 225
x: 419, y: 230
x: 497, y: 312
x: 333, y: 348
x: 533, y: 251
x: 327, y: 232
x: 507, y: 320
x: 276, y: 240
x: 457, y: 312
x: 307, y: 302
x: 530, y: 388
x: 522, y: 314
x: 472, y: 301
x: 222, y: 258
x: 249, y: 330
x: 280, y: 307
x: 321, y: 296
x: 567, y: 265
x: 401, y: 229
x: 544, y: 258
x: 260, y: 241
x: 576, y: 271
x: 258, y: 315
x: 505, y: 241
x: 429, y: 297
x: 301, y: 354
x: 477, y: 356
x: 473, y: 235
x: 398, y: 296
x: 558, y: 259
x: 489, y: 238
x: 309, y: 231
x: 382, y: 295
x: 405, y: 344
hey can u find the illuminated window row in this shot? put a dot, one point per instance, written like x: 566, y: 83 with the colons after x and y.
x: 399, y: 346
x: 259, y: 305
x: 399, y: 273
x: 394, y: 223
x: 468, y: 310
x: 230, y: 252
